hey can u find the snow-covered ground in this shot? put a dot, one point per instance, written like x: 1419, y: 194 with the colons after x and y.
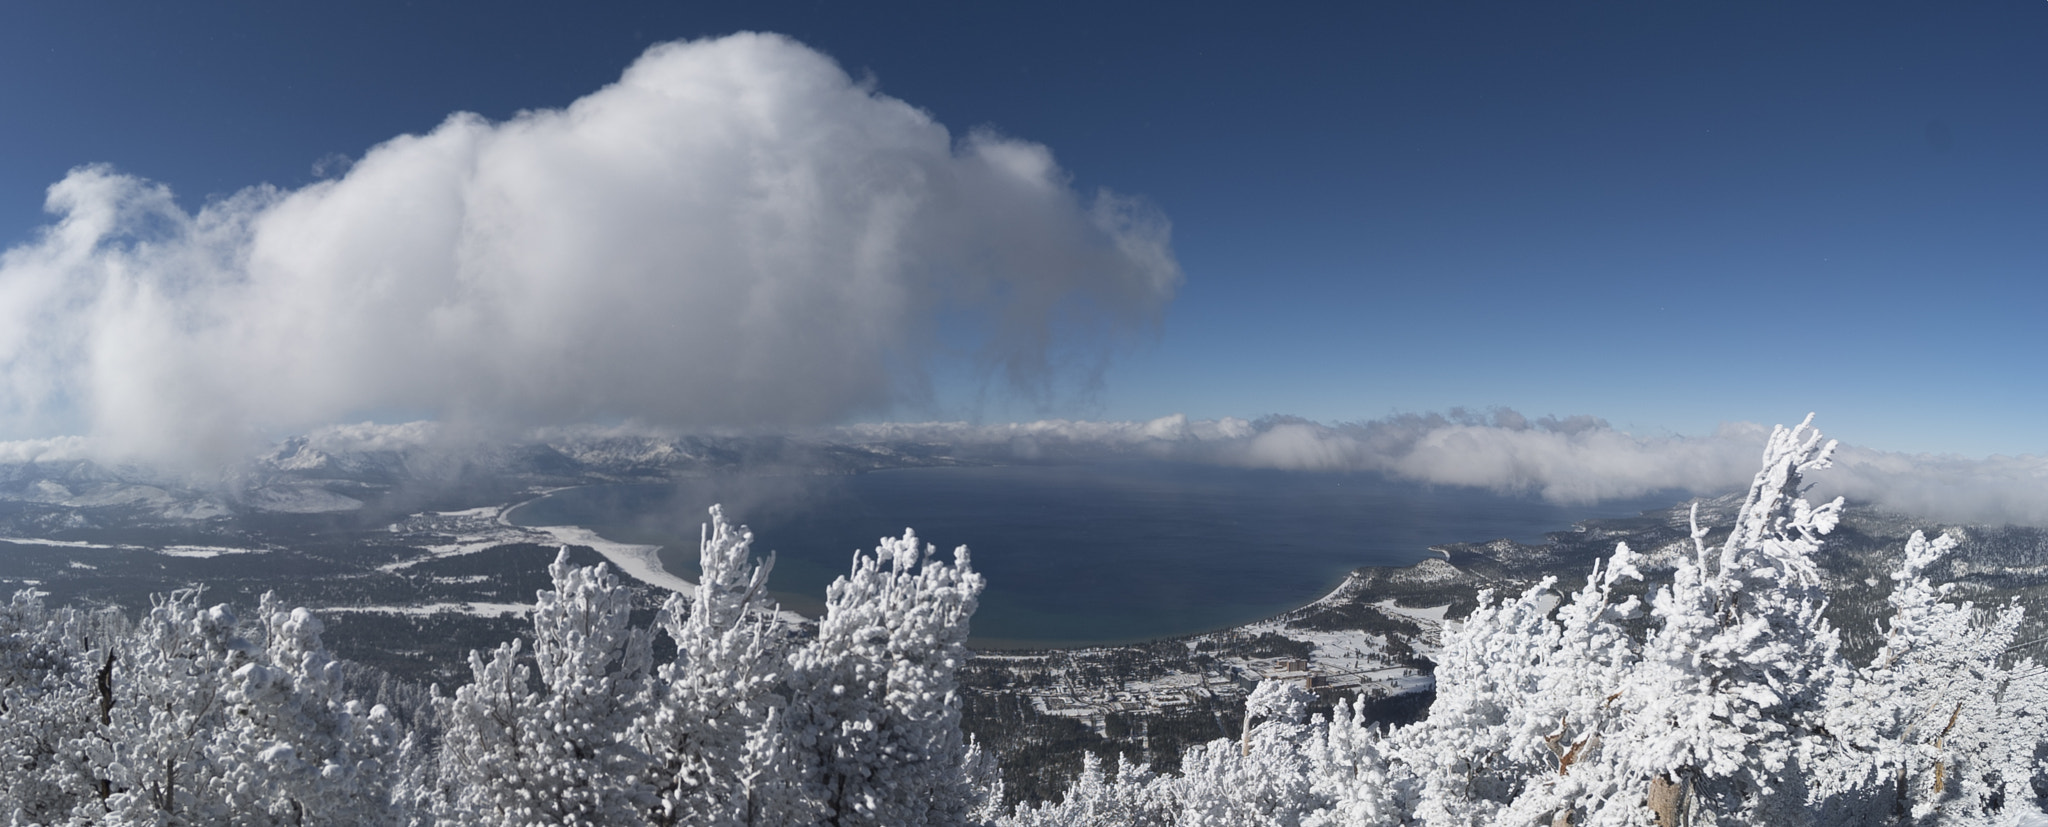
x: 38, y: 541
x: 300, y: 499
x: 467, y: 532
x: 476, y: 530
x: 1431, y: 616
x: 206, y: 551
x: 167, y: 551
x: 478, y: 608
x: 639, y: 562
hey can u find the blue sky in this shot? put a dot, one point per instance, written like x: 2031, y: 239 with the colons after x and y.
x: 1664, y: 216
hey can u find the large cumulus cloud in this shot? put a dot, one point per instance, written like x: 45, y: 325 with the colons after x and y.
x: 734, y: 233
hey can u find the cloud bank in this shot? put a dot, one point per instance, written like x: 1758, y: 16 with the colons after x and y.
x: 734, y: 233
x: 1574, y: 460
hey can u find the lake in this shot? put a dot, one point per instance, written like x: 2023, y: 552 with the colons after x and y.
x: 1081, y: 554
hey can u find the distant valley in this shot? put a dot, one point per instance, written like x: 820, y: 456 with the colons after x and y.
x: 409, y: 556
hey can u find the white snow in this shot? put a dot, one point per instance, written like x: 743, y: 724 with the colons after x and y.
x: 123, y: 495
x: 1432, y: 614
x: 201, y: 509
x: 37, y: 541
x: 301, y: 499
x: 468, y: 545
x: 472, y: 530
x: 1430, y: 570
x: 480, y: 529
x: 478, y: 608
x: 636, y: 561
x: 206, y: 551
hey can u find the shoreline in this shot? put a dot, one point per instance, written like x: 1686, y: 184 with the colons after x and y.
x: 636, y: 560
x: 643, y: 562
x: 1017, y: 646
x: 639, y: 561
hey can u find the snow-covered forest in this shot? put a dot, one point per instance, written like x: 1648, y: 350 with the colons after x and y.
x: 1717, y: 695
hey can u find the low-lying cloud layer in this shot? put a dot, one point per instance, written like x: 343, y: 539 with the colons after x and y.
x: 735, y: 233
x: 1575, y: 460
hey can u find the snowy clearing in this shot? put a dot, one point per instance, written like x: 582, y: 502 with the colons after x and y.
x: 636, y: 561
x: 207, y: 551
x: 1433, y: 614
x: 477, y: 608
x: 37, y: 541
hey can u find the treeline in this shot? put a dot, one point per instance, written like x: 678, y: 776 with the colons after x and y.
x: 1720, y: 696
x: 195, y: 715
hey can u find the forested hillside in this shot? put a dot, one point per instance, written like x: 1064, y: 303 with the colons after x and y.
x: 1719, y: 696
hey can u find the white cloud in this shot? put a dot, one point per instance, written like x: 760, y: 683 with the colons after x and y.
x: 1580, y: 459
x: 1574, y: 460
x: 1998, y: 489
x: 735, y: 233
x: 57, y: 449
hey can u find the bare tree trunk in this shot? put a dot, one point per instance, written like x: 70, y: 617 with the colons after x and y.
x: 1667, y: 800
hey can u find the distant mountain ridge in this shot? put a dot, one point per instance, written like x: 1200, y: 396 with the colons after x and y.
x: 324, y: 474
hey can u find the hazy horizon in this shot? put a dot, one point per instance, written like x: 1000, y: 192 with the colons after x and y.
x: 1580, y: 460
x: 1574, y: 252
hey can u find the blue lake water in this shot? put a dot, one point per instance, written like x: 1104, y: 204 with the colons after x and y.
x: 1084, y: 554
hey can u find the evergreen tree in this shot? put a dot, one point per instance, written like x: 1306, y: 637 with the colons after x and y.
x: 1935, y: 728
x: 168, y: 700
x: 715, y: 733
x: 293, y: 749
x: 1727, y: 702
x: 877, y: 708
x: 1732, y: 706
x: 514, y: 753
x: 51, y: 667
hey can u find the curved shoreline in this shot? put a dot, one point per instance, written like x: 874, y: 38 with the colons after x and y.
x: 643, y: 562
x: 639, y: 561
x: 1018, y: 646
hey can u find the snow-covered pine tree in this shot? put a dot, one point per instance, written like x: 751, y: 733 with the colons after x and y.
x: 294, y: 749
x: 50, y: 665
x: 1351, y: 773
x: 168, y: 701
x: 1523, y: 696
x: 714, y: 732
x: 1134, y: 798
x: 2017, y: 770
x: 876, y: 709
x: 1269, y: 775
x: 1261, y: 779
x: 516, y: 755
x: 1934, y: 728
x: 1724, y: 717
x: 1733, y: 706
x: 1483, y: 741
x: 484, y: 758
x: 183, y: 720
